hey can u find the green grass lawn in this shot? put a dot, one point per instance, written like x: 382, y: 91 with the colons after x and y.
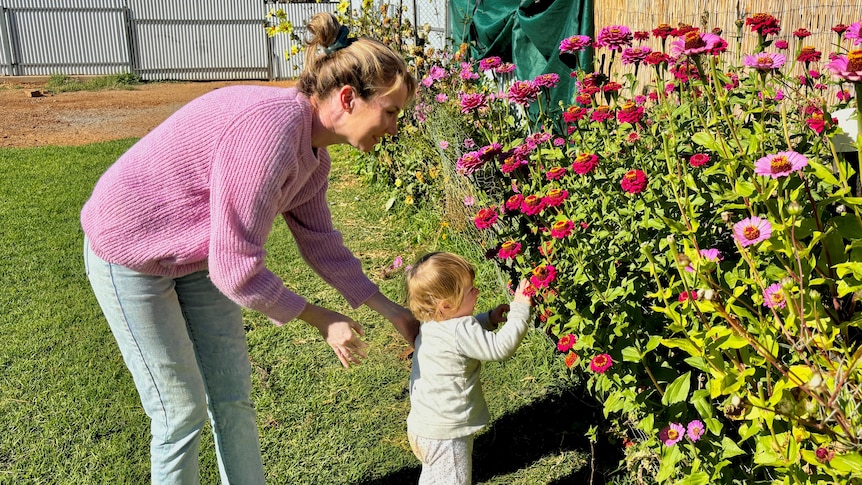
x: 69, y: 413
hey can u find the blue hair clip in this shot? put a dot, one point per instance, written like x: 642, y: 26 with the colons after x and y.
x: 341, y: 41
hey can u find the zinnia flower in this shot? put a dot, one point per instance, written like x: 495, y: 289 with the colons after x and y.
x: 695, y: 430
x: 848, y: 67
x: 547, y: 80
x: 566, y: 342
x: 514, y: 202
x: 555, y: 173
x: 752, y: 230
x: 486, y: 218
x: 472, y: 102
x: 571, y: 358
x: 780, y: 164
x: 523, y: 92
x: 808, y: 54
x: 532, y: 205
x: 671, y: 434
x: 634, y: 181
x: 574, y: 44
x: 635, y: 55
x: 614, y: 37
x: 765, y: 61
x: 543, y: 275
x: 773, y: 297
x: 602, y: 114
x: 763, y: 23
x: 561, y: 229
x: 489, y: 63
x: 630, y: 113
x: 694, y: 43
x: 687, y: 295
x: 555, y: 197
x: 698, y: 159
x: 854, y: 33
x: 601, y: 363
x: 509, y: 249
x: 469, y: 163
x: 710, y: 254
x: 511, y: 163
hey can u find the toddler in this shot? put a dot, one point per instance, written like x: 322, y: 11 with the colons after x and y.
x: 446, y: 402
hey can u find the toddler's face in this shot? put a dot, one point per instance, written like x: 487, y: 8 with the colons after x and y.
x: 468, y: 304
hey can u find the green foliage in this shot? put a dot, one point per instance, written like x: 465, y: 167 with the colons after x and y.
x: 699, y: 237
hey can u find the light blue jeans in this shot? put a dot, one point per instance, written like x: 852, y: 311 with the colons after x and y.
x: 185, y: 345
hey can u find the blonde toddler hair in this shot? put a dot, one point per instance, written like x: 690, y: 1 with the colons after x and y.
x: 437, y: 278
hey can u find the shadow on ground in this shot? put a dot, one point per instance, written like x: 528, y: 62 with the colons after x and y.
x: 550, y: 426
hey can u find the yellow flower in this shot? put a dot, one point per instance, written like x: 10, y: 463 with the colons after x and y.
x: 408, y: 200
x: 420, y: 177
x: 433, y: 172
x: 294, y: 50
x: 399, y: 182
x: 342, y: 7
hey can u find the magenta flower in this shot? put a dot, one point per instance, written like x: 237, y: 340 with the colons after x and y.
x: 514, y: 202
x: 523, y: 92
x: 566, y: 342
x: 780, y: 164
x: 504, y: 68
x: 601, y: 114
x: 848, y: 67
x: 763, y: 23
x: 469, y: 163
x: 614, y: 37
x: 585, y: 163
x: 555, y: 173
x: 781, y: 45
x: 397, y: 262
x: 773, y: 297
x: 695, y: 430
x: 489, y: 63
x: 694, y: 43
x: 555, y: 197
x: 635, y: 55
x: 512, y: 163
x: 532, y: 205
x: 634, y: 181
x: 441, y: 98
x: 687, y: 295
x: 548, y: 80
x: 562, y: 229
x: 574, y: 44
x: 765, y: 61
x: 752, y: 230
x: 472, y: 102
x: 601, y: 363
x: 509, y: 249
x: 854, y: 33
x: 630, y: 113
x: 543, y: 275
x: 698, y: 159
x: 671, y: 434
x: 710, y: 254
x: 486, y: 218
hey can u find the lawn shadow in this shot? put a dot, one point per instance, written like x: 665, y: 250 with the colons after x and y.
x: 552, y: 425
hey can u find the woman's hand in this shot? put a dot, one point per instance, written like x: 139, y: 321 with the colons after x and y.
x: 402, y: 319
x: 342, y: 333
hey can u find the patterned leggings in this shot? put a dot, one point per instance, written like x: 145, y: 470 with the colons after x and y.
x: 444, y: 462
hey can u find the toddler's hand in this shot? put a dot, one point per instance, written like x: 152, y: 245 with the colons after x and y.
x: 498, y: 315
x: 520, y: 296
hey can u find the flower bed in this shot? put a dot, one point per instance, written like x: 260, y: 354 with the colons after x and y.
x: 693, y: 244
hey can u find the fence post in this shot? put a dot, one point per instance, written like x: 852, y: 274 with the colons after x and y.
x: 132, y: 45
x: 7, y: 47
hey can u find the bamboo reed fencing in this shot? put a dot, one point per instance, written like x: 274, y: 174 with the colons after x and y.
x: 817, y: 16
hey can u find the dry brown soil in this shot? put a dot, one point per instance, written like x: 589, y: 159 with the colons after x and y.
x: 79, y: 118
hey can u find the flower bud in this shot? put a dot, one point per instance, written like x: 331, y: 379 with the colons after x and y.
x: 787, y: 283
x: 794, y: 209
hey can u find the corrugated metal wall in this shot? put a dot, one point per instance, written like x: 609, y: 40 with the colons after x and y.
x: 163, y: 39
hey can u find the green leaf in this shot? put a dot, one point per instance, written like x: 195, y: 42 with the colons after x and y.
x: 849, y: 463
x: 823, y: 173
x: 699, y: 478
x: 677, y: 391
x: 705, y: 139
x: 744, y: 188
x: 729, y: 448
x: 631, y: 354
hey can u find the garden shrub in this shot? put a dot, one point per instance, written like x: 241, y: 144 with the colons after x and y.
x: 693, y: 244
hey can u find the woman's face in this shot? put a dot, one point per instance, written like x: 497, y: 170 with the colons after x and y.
x: 371, y: 119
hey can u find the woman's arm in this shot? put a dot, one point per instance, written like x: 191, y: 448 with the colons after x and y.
x: 403, y: 320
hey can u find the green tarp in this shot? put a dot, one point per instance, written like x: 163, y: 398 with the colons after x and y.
x: 525, y: 32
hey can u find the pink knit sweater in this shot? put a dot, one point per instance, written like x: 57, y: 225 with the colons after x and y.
x: 202, y: 190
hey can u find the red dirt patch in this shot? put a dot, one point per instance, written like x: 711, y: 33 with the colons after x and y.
x: 82, y: 117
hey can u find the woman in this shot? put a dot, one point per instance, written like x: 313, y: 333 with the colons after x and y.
x: 175, y: 233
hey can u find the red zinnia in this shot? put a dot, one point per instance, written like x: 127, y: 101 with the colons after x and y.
x: 555, y: 173
x: 561, y: 229
x: 585, y: 163
x: 543, y: 275
x: 763, y: 23
x: 555, y: 197
x: 630, y: 113
x: 514, y: 202
x: 566, y: 342
x: 532, y: 205
x: 601, y: 363
x: 509, y: 250
x: 486, y: 218
x: 698, y: 159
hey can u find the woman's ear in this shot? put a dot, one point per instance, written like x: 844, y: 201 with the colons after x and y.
x: 346, y: 98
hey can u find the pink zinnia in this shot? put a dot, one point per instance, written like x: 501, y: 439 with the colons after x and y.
x: 514, y: 202
x: 555, y: 173
x: 505, y: 68
x: 523, y: 92
x: 711, y: 254
x: 441, y: 98
x: 634, y: 181
x: 752, y: 230
x: 601, y: 114
x: 698, y: 159
x: 543, y: 275
x: 854, y: 33
x: 472, y: 102
x: 630, y: 113
x: 566, y: 342
x: 780, y: 164
x: 848, y: 67
x: 509, y: 249
x: 555, y: 197
x: 574, y: 44
x: 585, y: 163
x: 695, y: 430
x: 548, y: 80
x: 635, y: 55
x: 574, y: 114
x: 765, y: 61
x: 671, y: 434
x: 532, y: 205
x: 469, y: 163
x: 614, y: 37
x: 694, y: 43
x: 486, y: 218
x: 687, y: 295
x: 562, y: 229
x: 808, y: 54
x: 601, y: 363
x: 512, y: 163
x: 489, y: 63
x: 773, y: 297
